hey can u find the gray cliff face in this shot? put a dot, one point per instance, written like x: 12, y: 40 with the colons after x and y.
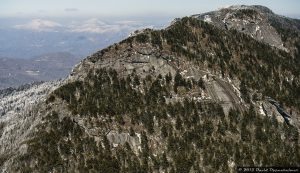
x: 251, y: 20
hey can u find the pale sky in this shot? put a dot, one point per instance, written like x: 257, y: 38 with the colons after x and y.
x: 117, y: 8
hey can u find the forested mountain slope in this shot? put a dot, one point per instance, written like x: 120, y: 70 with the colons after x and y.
x: 189, y: 98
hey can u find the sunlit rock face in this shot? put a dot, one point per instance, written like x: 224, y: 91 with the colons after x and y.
x: 251, y: 20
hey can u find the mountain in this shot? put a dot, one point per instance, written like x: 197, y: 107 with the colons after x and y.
x: 46, y: 67
x: 193, y: 97
x: 259, y: 22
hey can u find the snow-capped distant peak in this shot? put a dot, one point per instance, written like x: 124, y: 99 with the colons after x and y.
x: 94, y: 25
x: 39, y: 25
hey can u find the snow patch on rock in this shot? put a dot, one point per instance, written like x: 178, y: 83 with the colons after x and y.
x: 207, y: 19
x: 261, y: 111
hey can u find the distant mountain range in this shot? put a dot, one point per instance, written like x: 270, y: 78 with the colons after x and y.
x: 33, y: 37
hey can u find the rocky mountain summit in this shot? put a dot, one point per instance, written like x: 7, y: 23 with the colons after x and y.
x: 194, y: 97
x: 257, y: 21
